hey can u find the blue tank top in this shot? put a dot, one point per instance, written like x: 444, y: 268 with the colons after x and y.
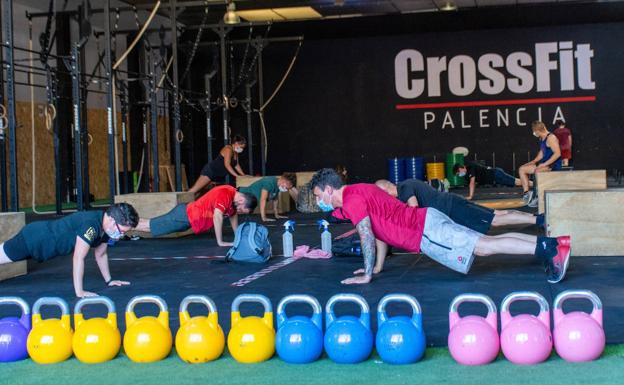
x: 547, y: 152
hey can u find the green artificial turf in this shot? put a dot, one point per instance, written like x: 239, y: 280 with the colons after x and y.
x: 437, y: 367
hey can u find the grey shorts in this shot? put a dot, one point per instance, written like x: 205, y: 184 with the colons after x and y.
x: 174, y: 221
x: 447, y: 242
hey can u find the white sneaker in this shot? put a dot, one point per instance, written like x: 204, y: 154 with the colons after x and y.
x: 533, y: 202
x: 527, y: 197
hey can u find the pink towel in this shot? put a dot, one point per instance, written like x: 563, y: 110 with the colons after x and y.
x: 304, y: 251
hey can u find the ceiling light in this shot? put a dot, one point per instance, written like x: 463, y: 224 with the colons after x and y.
x: 230, y: 16
x: 449, y: 6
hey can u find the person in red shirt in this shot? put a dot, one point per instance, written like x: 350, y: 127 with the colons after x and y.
x: 382, y: 220
x: 564, y: 135
x: 203, y: 214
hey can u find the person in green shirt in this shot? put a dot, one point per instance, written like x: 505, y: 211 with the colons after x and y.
x: 267, y: 189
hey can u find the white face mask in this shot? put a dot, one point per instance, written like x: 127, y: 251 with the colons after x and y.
x: 535, y: 134
x: 282, y: 189
x: 238, y: 150
x: 462, y: 173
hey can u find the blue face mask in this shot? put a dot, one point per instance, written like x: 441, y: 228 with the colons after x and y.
x: 462, y: 173
x: 324, y: 206
x: 113, y: 234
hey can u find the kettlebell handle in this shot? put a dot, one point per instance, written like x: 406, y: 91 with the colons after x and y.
x: 398, y: 297
x: 146, y: 299
x: 100, y: 300
x: 524, y: 296
x: 347, y: 297
x: 544, y: 314
x: 54, y: 301
x: 209, y: 303
x: 596, y: 313
x: 303, y: 298
x: 16, y: 301
x: 473, y: 297
x: 268, y: 308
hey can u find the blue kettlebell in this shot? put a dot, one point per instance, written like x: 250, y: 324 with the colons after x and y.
x: 348, y: 339
x: 299, y: 339
x: 400, y: 339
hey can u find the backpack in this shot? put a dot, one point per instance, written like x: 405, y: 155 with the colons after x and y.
x: 347, y: 247
x: 251, y: 244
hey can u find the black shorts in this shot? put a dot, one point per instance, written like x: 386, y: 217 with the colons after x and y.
x: 473, y: 216
x: 174, y: 221
x: 16, y: 249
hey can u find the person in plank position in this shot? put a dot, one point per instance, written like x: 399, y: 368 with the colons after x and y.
x: 381, y: 220
x: 203, y: 214
x: 268, y: 188
x: 76, y: 233
x: 416, y: 193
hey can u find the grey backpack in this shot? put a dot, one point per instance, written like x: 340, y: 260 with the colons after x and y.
x: 251, y: 244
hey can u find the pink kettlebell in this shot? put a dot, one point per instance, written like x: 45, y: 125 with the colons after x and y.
x: 579, y: 337
x: 473, y: 340
x: 525, y: 338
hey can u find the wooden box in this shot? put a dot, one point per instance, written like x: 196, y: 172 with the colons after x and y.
x: 593, y: 218
x: 569, y: 180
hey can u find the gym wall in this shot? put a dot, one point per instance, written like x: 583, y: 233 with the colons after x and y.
x: 341, y: 103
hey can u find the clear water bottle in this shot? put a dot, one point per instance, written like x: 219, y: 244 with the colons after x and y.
x: 287, y: 238
x: 326, y: 238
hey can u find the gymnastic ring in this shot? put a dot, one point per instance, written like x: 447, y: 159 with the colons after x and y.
x: 219, y: 102
x: 233, y: 102
x: 179, y: 136
x: 51, y: 110
x: 5, y: 122
x: 90, y: 140
x: 2, y: 110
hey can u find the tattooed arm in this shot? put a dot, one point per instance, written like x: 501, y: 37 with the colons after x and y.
x: 367, y: 240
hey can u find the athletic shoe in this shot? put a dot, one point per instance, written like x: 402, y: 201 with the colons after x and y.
x: 556, y: 269
x: 526, y: 198
x: 564, y: 240
x: 533, y: 202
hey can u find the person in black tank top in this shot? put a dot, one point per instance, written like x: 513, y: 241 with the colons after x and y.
x: 226, y: 162
x: 548, y: 158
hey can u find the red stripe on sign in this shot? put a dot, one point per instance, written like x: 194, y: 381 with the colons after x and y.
x: 480, y: 103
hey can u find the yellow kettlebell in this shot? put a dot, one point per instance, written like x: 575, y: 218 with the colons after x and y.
x: 50, y: 340
x: 252, y: 339
x: 96, y: 339
x: 199, y: 339
x: 147, y: 339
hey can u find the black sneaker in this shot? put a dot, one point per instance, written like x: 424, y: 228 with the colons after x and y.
x: 557, y: 267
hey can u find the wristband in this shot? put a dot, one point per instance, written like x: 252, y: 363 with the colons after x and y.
x: 109, y: 281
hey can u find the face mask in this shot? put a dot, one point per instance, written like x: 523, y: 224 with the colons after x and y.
x: 282, y: 189
x: 238, y: 150
x: 325, y: 206
x: 462, y: 173
x: 113, y: 234
x: 535, y: 134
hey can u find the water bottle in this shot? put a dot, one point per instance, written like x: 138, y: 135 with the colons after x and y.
x: 326, y: 238
x: 287, y: 238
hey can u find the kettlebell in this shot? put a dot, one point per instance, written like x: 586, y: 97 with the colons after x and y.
x: 525, y: 339
x: 400, y: 339
x: 97, y: 339
x: 147, y: 339
x: 14, y: 331
x: 200, y: 338
x: 579, y: 336
x: 299, y: 339
x: 348, y: 339
x: 50, y: 340
x: 251, y: 339
x: 473, y: 340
